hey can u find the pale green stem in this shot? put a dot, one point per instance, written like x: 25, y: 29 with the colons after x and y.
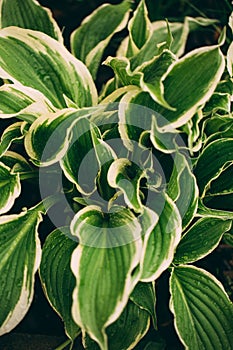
x: 64, y: 345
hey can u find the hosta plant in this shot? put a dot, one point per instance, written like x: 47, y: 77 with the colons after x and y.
x: 136, y: 179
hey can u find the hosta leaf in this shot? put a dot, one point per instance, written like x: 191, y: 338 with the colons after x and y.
x: 182, y: 188
x: 193, y: 132
x: 219, y: 102
x: 103, y: 265
x: 105, y: 157
x: 91, y: 38
x: 196, y: 22
x: 144, y: 296
x: 10, y: 188
x: 203, y: 312
x: 148, y: 76
x: 172, y: 36
x: 228, y: 239
x: 20, y: 254
x: 10, y: 134
x: 201, y: 239
x: 160, y: 243
x: 48, y: 137
x: 208, y: 64
x: 46, y: 65
x: 12, y: 13
x: 56, y: 276
x: 230, y: 22
x: 132, y: 107
x: 153, y: 72
x: 80, y: 159
x: 22, y: 102
x: 125, y: 332
x: 16, y: 162
x: 121, y: 68
x: 139, y: 26
x: 223, y: 183
x: 153, y: 46
x: 216, y: 127
x: 165, y: 141
x: 205, y: 211
x: 230, y: 60
x: 126, y: 175
x: 221, y: 151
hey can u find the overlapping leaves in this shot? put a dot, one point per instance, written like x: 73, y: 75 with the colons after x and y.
x: 104, y: 283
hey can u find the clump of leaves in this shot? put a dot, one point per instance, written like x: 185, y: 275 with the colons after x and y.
x: 142, y: 171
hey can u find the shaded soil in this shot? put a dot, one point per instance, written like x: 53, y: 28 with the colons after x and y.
x: 17, y: 341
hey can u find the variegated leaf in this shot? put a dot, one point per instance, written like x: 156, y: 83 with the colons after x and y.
x: 10, y: 188
x: 20, y: 254
x: 160, y: 243
x: 48, y: 138
x: 57, y: 278
x: 182, y: 188
x: 201, y: 239
x: 23, y: 103
x: 11, y: 134
x: 202, y: 310
x: 121, y: 334
x: 218, y: 155
x: 16, y: 162
x: 103, y: 264
x: 139, y: 29
x: 80, y: 159
x: 208, y: 64
x: 105, y: 156
x: 12, y: 13
x: 91, y: 38
x: 144, y: 296
x: 148, y: 76
x: 45, y: 65
x: 126, y: 176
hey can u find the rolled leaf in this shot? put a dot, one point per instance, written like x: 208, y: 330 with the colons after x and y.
x: 16, y: 162
x: 126, y: 175
x: 48, y: 138
x: 217, y: 154
x: 10, y: 134
x: 223, y: 184
x: 203, y: 312
x: 12, y: 13
x: 10, y: 188
x: 103, y: 265
x: 81, y: 158
x: 20, y: 254
x: 201, y: 239
x: 105, y: 156
x: 57, y: 278
x: 91, y: 38
x: 45, y: 65
x: 153, y: 72
x: 230, y: 60
x: 160, y: 243
x: 182, y: 188
x: 139, y: 28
